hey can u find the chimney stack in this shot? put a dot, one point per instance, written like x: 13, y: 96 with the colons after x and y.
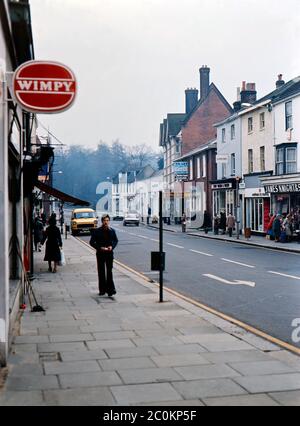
x: 248, y: 93
x: 204, y: 81
x: 279, y: 82
x: 191, y: 99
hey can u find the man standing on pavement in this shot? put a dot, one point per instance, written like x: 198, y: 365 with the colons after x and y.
x: 104, y: 240
x: 230, y: 224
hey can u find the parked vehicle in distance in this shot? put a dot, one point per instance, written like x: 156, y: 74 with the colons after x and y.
x: 131, y: 218
x: 83, y: 220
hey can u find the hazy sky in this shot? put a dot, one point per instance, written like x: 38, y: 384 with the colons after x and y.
x: 133, y: 59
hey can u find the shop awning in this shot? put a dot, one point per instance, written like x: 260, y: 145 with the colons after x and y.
x: 61, y: 195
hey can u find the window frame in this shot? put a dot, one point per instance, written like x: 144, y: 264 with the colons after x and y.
x: 223, y: 135
x: 233, y: 164
x: 232, y: 132
x: 250, y: 125
x: 250, y: 162
x: 262, y: 158
x: 288, y: 116
x: 262, y: 121
x: 282, y: 165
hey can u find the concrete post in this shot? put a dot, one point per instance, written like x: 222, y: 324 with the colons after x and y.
x: 4, y: 259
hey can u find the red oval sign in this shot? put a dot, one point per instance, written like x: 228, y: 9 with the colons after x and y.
x: 44, y: 87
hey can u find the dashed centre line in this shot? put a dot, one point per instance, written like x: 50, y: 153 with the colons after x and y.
x: 201, y: 252
x: 238, y: 263
x: 175, y: 245
x: 285, y: 275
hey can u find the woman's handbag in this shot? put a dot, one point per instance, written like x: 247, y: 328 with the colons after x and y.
x: 62, y: 261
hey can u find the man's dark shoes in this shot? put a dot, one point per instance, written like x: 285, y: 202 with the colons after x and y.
x: 101, y: 293
x: 49, y: 269
x: 111, y: 293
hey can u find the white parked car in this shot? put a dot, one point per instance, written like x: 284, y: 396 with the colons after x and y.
x: 131, y: 218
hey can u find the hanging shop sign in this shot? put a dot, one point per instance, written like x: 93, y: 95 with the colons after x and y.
x: 44, y: 87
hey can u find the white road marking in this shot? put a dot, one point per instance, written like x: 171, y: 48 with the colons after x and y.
x: 156, y: 241
x: 142, y: 236
x: 284, y: 275
x: 201, y: 252
x: 235, y: 282
x: 175, y: 245
x: 238, y: 263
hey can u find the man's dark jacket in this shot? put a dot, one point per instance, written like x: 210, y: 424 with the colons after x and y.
x: 97, y: 239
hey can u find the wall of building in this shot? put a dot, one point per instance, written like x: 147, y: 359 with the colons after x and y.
x: 230, y: 146
x: 256, y: 139
x: 199, y: 128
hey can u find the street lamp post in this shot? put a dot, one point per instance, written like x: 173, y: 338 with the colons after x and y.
x: 237, y: 207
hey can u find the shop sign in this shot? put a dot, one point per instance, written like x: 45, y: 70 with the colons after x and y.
x: 222, y: 186
x: 282, y: 188
x: 181, y: 168
x: 255, y: 192
x: 44, y: 87
x: 222, y: 158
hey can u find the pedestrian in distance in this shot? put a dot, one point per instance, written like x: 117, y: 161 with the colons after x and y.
x: 53, y: 241
x: 230, y: 224
x: 216, y: 224
x: 223, y: 222
x: 38, y: 233
x: 183, y: 222
x: 104, y: 240
x: 206, y: 221
x: 276, y: 228
x: 149, y: 215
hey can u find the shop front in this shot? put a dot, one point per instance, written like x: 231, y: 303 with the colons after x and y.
x: 284, y: 193
x: 224, y: 196
x: 257, y: 209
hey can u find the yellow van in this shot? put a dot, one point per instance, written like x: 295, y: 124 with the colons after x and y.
x: 83, y: 220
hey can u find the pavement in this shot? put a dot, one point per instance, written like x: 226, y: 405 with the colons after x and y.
x: 132, y: 350
x: 254, y: 240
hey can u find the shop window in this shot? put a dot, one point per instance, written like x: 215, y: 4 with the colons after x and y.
x: 286, y: 160
x: 255, y: 214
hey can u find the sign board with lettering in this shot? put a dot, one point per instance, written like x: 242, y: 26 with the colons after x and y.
x: 222, y: 158
x: 181, y: 168
x: 282, y: 188
x: 44, y: 87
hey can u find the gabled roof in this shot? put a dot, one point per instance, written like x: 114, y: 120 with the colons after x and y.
x: 170, y: 126
x: 214, y: 88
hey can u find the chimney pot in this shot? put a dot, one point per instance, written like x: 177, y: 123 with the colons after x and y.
x: 204, y: 81
x: 279, y: 82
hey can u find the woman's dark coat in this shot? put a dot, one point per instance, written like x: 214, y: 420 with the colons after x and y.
x: 53, y: 243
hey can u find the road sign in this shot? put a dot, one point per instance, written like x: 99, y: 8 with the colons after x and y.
x: 44, y: 87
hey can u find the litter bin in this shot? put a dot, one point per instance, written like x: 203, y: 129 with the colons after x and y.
x: 247, y: 233
x: 158, y: 260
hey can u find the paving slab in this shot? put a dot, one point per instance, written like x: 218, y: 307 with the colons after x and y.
x: 124, y: 363
x: 271, y: 383
x: 261, y: 368
x: 31, y: 383
x: 149, y: 375
x: 59, y: 338
x: 100, y: 396
x: 291, y: 398
x: 19, y: 398
x: 83, y: 355
x: 34, y: 369
x: 60, y: 347
x: 208, y: 388
x: 241, y: 401
x: 236, y: 356
x: 179, y: 349
x: 135, y: 394
x: 206, y: 372
x: 56, y: 367
x: 179, y: 360
x: 82, y: 380
x: 108, y: 344
x: 19, y: 340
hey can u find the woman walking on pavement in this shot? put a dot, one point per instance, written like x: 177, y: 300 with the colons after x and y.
x: 53, y: 244
x: 230, y: 224
x: 276, y: 228
x: 104, y: 240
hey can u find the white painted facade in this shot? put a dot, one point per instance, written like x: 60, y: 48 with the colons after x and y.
x: 172, y: 151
